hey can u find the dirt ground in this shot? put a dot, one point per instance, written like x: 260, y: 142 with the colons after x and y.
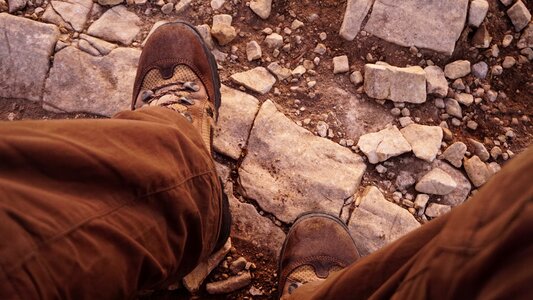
x: 320, y: 104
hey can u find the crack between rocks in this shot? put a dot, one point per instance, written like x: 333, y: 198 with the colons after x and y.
x: 68, y: 23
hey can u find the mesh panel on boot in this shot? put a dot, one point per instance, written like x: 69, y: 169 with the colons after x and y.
x: 153, y: 78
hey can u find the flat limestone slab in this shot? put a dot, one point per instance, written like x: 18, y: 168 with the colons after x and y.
x: 80, y: 82
x: 289, y: 171
x: 377, y: 222
x: 25, y: 50
x: 236, y: 117
x: 396, y: 84
x: 434, y: 25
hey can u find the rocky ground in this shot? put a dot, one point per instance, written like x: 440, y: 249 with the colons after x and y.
x: 385, y: 113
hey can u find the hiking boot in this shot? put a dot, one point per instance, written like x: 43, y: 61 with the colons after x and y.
x: 316, y: 245
x: 177, y: 70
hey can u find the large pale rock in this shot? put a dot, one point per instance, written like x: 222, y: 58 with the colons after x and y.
x: 289, y: 171
x: 424, y: 140
x: 356, y: 11
x: 436, y: 81
x: 71, y: 14
x: 79, y: 82
x: 377, y: 222
x: 382, y: 145
x: 436, y: 182
x: 25, y: 50
x: 249, y: 226
x: 258, y: 80
x: 435, y: 25
x: 262, y: 8
x: 236, y: 116
x: 520, y: 15
x: 116, y: 25
x: 396, y: 84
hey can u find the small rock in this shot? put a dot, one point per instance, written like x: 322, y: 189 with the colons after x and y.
x: 458, y: 84
x: 298, y: 71
x: 421, y: 201
x: 435, y: 210
x: 472, y: 125
x: 382, y: 145
x: 194, y: 279
x: 424, y: 140
x: 405, y: 121
x: 455, y: 154
x: 182, y: 6
x: 322, y: 128
x: 296, y: 24
x: 262, y: 8
x: 464, y: 99
x: 356, y: 77
x: 396, y: 84
x: 222, y: 30
x: 229, y: 285
x: 341, y: 64
x: 453, y: 108
x: 480, y: 70
x: 381, y: 169
x: 507, y: 40
x: 508, y: 62
x: 217, y: 4
x: 479, y: 149
x: 320, y: 49
x: 257, y: 79
x: 253, y: 51
x: 477, y: 13
x: 457, y: 69
x: 520, y: 15
x: 436, y: 81
x: 280, y: 72
x: 477, y: 171
x: 167, y: 8
x: 274, y: 40
x: 436, y: 182
x: 496, y: 152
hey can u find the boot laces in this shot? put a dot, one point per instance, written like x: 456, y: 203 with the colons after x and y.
x: 176, y: 96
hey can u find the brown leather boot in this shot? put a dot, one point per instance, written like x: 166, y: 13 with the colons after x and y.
x: 177, y: 70
x: 317, y: 244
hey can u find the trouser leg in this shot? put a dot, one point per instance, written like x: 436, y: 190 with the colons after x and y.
x: 482, y: 249
x: 101, y: 208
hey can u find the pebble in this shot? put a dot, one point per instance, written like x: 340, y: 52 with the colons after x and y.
x: 320, y: 49
x: 507, y: 40
x: 356, y: 77
x: 167, y: 8
x: 480, y: 70
x: 495, y: 152
x: 421, y: 201
x: 395, y: 112
x: 253, y: 51
x: 439, y: 103
x: 340, y: 64
x: 323, y: 36
x: 472, y: 125
x: 453, y: 108
x: 479, y: 149
x: 457, y: 69
x: 508, y: 62
x: 296, y: 24
x: 405, y: 121
x: 435, y: 210
x: 322, y: 128
x: 274, y: 40
x: 497, y: 70
x: 455, y: 154
x: 381, y: 169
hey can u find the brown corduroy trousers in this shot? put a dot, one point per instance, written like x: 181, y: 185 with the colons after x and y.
x: 99, y: 209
